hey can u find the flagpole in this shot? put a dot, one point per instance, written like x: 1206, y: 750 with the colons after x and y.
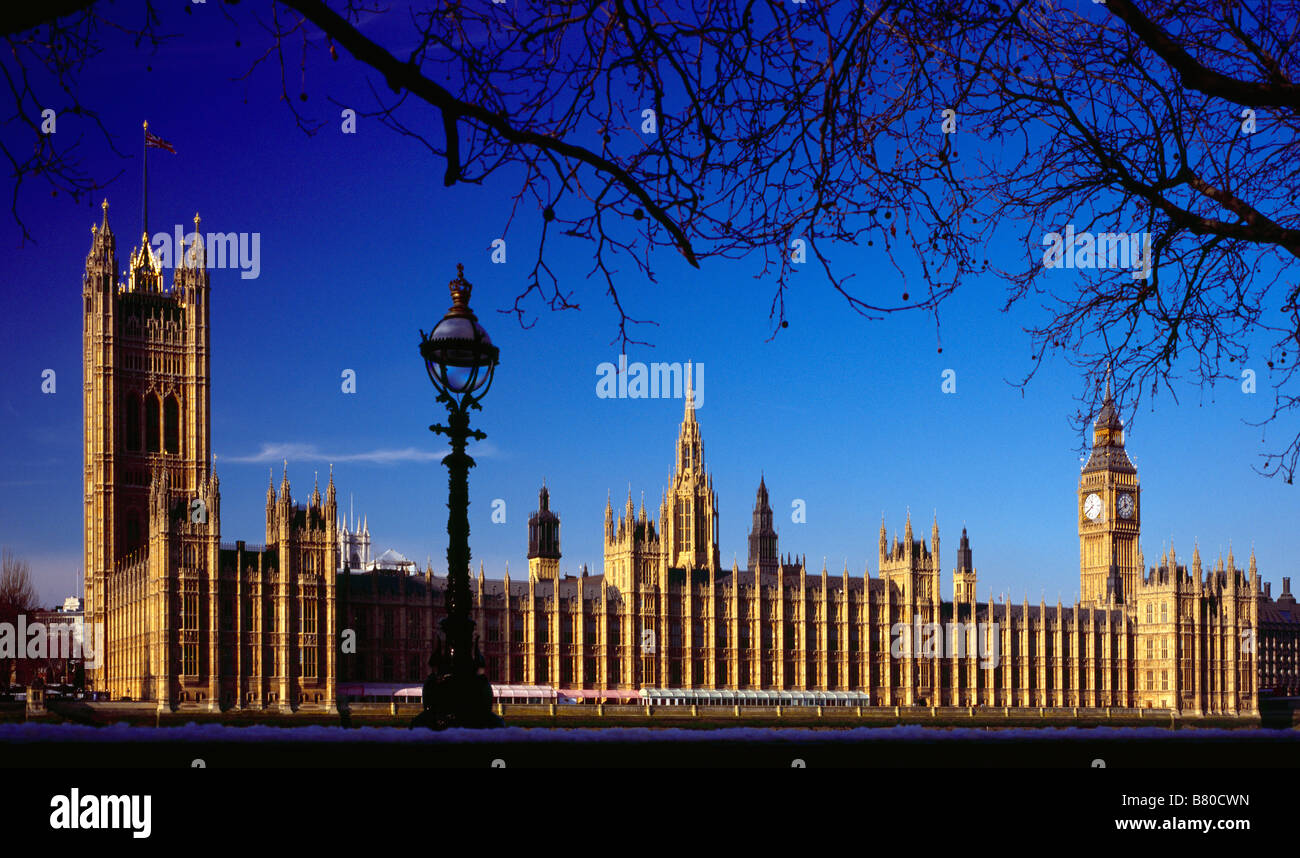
x: 145, y: 196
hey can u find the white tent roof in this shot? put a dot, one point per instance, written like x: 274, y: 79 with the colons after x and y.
x: 391, y: 558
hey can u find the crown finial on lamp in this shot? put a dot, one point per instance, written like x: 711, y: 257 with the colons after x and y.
x: 460, y: 291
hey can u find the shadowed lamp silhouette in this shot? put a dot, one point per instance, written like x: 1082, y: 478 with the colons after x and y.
x: 461, y: 362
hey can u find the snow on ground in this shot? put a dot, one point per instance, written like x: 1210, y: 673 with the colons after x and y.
x: 36, y: 732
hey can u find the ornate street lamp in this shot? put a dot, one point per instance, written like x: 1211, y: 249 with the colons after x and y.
x: 461, y: 362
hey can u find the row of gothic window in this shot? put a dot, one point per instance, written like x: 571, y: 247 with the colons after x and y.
x: 151, y: 425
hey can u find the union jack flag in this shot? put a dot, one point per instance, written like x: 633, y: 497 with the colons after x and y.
x: 155, y: 142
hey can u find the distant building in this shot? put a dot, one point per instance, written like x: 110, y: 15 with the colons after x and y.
x: 63, y: 629
x: 354, y: 551
x: 354, y: 543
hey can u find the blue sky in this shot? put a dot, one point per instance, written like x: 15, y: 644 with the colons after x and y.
x: 358, y: 240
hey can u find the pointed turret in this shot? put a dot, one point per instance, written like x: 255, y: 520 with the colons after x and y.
x: 544, y: 529
x: 690, y: 392
x: 1108, y: 439
x: 690, y: 447
x: 763, y: 554
x: 284, y: 484
x: 99, y: 283
x: 272, y: 519
x: 145, y: 270
x: 194, y: 258
x: 964, y: 575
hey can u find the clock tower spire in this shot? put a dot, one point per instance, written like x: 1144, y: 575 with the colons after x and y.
x: 1109, y: 512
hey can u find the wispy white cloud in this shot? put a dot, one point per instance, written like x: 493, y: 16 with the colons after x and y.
x: 383, y: 456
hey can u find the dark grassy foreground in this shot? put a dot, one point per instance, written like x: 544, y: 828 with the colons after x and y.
x: 573, y: 736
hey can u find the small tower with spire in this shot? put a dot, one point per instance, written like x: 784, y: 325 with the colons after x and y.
x: 963, y: 577
x: 543, y: 540
x: 763, y: 556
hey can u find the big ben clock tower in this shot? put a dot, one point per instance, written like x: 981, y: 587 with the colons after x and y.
x: 1109, y: 513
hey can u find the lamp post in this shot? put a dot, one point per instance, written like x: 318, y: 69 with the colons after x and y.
x: 461, y: 362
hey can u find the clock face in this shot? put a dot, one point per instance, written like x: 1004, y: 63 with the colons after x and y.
x: 1126, y: 506
x: 1092, y: 506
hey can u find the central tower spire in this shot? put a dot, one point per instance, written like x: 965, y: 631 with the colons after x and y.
x: 690, y: 526
x: 690, y: 447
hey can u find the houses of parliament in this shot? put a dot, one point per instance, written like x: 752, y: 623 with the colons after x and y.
x: 194, y: 621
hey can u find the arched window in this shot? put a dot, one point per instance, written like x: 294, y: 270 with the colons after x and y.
x: 131, y: 423
x: 172, y: 425
x: 152, y: 423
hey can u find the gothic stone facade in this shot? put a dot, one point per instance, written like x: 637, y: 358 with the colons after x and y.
x: 665, y: 614
x: 188, y: 620
x: 192, y: 621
